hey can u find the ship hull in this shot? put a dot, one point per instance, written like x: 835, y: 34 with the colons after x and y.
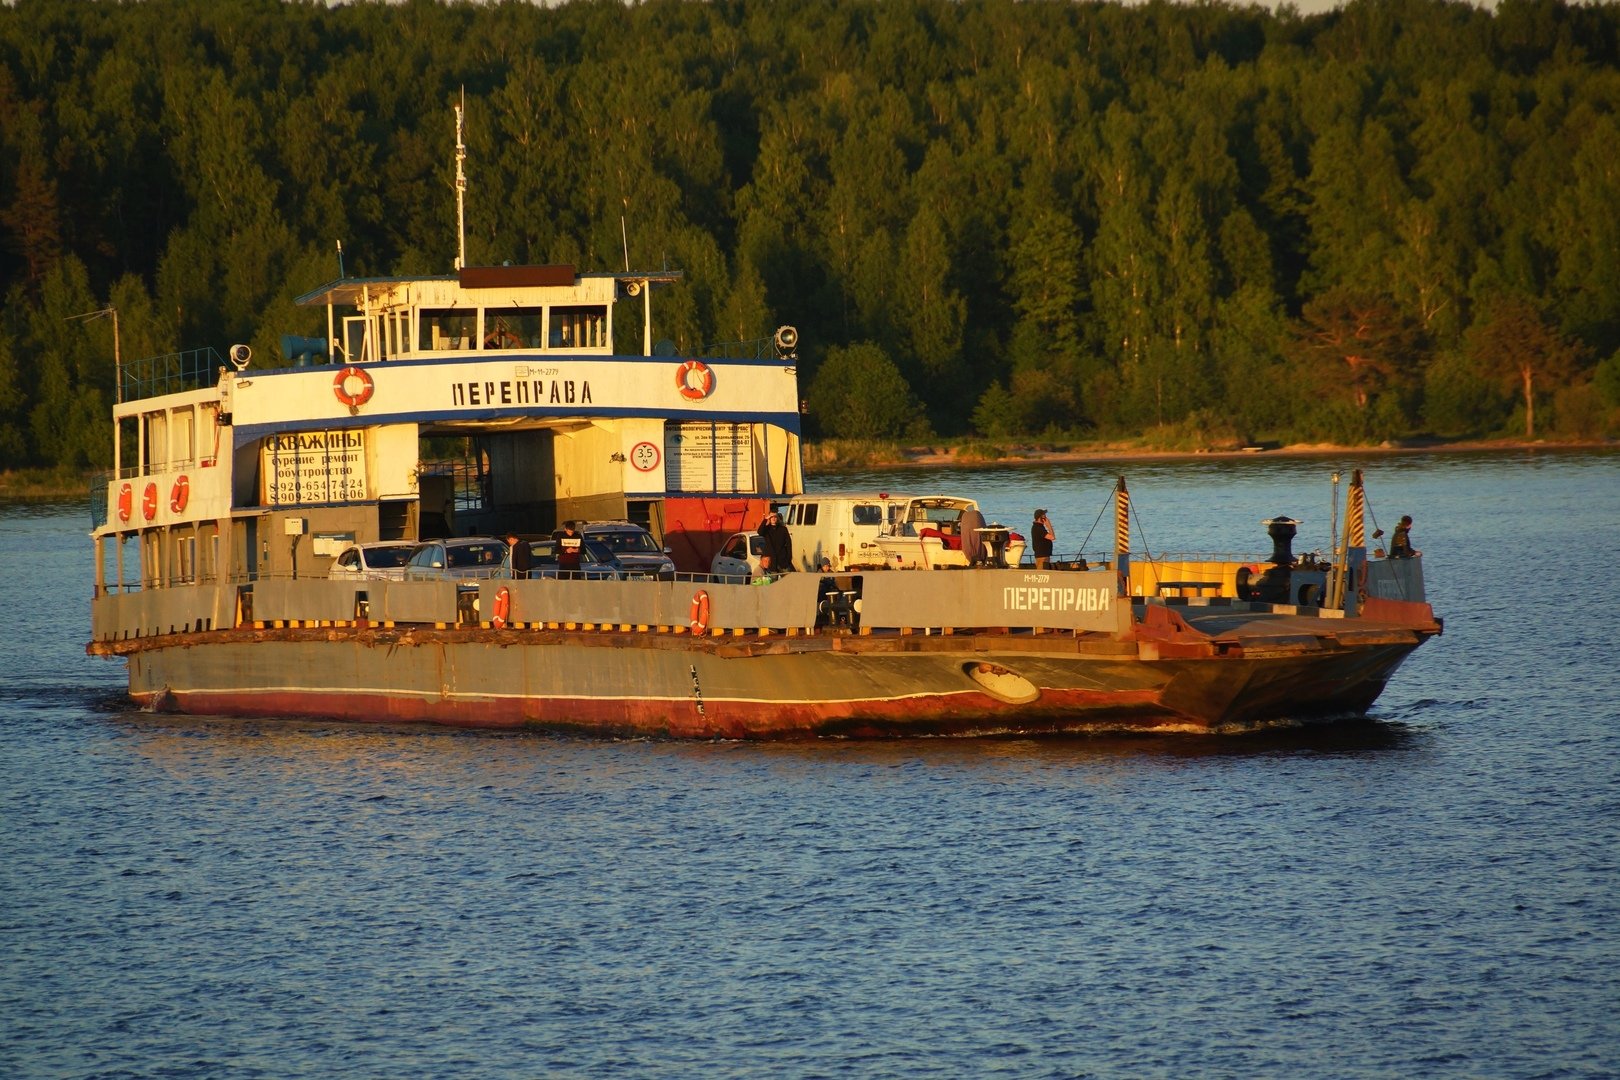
x: 677, y: 686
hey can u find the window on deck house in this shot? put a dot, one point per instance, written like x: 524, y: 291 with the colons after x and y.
x: 579, y: 327
x: 445, y: 329
x: 512, y: 328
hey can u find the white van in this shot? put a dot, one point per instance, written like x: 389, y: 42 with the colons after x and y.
x: 841, y: 528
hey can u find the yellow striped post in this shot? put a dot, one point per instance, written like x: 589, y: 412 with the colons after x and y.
x: 1355, y: 518
x: 1122, y: 538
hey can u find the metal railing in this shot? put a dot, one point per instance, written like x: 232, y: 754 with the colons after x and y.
x: 99, y: 483
x: 171, y: 373
x: 752, y: 349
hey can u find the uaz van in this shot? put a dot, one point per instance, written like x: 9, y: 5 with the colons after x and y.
x: 841, y: 528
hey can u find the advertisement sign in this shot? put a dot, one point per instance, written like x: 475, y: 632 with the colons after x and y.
x: 313, y: 467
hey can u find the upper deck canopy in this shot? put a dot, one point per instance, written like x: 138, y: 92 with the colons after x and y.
x: 353, y: 291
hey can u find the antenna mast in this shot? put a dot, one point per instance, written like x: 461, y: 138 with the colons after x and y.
x: 461, y: 186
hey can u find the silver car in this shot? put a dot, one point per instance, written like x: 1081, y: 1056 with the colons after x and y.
x: 381, y: 561
x: 466, y: 559
x: 738, y: 559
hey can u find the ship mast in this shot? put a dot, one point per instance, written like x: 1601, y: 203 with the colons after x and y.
x: 461, y: 186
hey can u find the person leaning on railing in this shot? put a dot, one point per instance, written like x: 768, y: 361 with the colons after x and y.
x: 1040, y: 541
x: 1400, y: 546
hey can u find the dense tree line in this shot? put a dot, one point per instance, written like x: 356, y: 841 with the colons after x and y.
x: 987, y: 217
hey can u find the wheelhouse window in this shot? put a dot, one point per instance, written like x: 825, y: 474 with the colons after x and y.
x: 579, y: 327
x: 512, y: 328
x: 448, y: 330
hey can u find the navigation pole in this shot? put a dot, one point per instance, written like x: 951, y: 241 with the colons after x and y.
x: 461, y: 186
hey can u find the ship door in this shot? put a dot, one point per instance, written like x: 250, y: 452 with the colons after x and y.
x: 244, y: 548
x: 355, y: 339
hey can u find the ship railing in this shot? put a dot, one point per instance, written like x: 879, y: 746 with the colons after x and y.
x: 99, y: 483
x: 171, y: 373
x: 749, y: 349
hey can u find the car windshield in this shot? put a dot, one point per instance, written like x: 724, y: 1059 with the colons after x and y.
x: 627, y: 541
x: 387, y: 557
x: 477, y: 554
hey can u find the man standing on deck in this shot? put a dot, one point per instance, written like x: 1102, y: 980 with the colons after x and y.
x: 570, y: 546
x: 1041, y: 535
x: 1400, y: 546
x: 520, y: 555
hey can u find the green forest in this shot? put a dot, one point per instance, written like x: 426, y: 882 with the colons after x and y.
x: 1203, y: 224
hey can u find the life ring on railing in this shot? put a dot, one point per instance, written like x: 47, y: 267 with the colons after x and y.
x: 353, y: 398
x: 126, y: 502
x: 698, y: 616
x: 149, y: 501
x: 180, y: 494
x: 694, y: 380
x: 503, y: 608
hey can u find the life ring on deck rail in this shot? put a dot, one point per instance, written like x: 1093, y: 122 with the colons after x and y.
x: 698, y: 615
x: 503, y: 608
x: 353, y: 398
x: 694, y: 380
x: 149, y: 501
x: 180, y: 493
x: 126, y: 502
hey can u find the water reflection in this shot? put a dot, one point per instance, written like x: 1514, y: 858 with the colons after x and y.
x: 193, y: 741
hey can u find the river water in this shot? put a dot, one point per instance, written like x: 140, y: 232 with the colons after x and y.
x: 1434, y: 892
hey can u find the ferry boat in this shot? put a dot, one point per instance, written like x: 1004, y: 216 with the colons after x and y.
x: 493, y: 401
x: 215, y: 542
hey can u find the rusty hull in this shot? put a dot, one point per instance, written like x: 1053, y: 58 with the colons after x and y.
x: 1181, y: 668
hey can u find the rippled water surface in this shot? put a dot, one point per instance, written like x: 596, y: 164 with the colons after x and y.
x: 1431, y: 893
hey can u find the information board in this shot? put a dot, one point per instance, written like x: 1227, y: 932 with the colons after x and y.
x: 706, y: 456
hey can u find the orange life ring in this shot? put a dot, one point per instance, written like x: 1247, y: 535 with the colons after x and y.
x: 503, y: 608
x: 699, y: 613
x: 356, y: 398
x: 126, y: 502
x: 180, y: 494
x: 149, y: 501
x: 694, y: 380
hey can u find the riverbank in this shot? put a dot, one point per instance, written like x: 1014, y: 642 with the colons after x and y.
x: 44, y: 485
x: 839, y: 456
